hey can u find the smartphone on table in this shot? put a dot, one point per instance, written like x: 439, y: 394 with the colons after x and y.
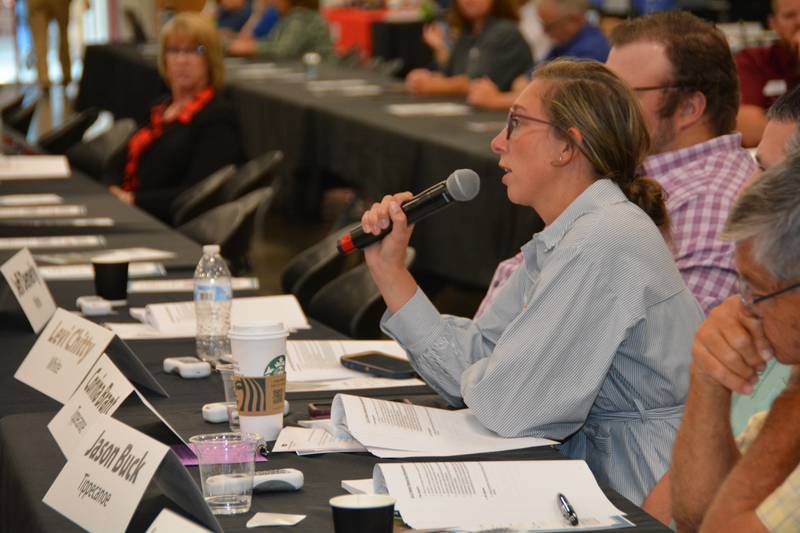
x: 379, y: 364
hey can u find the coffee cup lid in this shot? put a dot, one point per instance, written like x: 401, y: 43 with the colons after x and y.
x: 258, y: 328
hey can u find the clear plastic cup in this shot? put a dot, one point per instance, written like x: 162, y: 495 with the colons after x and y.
x: 226, y: 371
x: 226, y: 470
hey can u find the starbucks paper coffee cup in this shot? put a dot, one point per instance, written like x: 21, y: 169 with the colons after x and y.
x: 259, y: 354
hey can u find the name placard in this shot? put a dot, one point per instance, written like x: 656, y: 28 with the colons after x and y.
x: 63, y: 354
x: 29, y: 288
x: 169, y: 521
x: 106, y: 476
x: 102, y: 391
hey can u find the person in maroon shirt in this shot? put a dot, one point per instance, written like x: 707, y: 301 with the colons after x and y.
x: 769, y: 72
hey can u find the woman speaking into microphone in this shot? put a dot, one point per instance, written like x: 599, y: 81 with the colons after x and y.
x: 589, y: 340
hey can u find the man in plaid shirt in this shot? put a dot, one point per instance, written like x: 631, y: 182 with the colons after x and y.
x: 682, y: 70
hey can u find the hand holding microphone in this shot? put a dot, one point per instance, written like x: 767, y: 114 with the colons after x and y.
x: 391, y: 222
x: 461, y: 186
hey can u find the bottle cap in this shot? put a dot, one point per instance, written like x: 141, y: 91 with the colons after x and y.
x: 210, y: 249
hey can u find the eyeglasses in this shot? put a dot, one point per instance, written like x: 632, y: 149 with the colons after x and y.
x: 664, y: 87
x: 514, y: 118
x: 749, y: 300
x: 199, y: 50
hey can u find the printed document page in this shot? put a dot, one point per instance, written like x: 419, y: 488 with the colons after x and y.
x: 519, y: 495
x: 321, y: 360
x: 179, y: 318
x: 307, y: 441
x: 393, y: 429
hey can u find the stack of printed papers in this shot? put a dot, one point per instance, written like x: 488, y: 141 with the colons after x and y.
x: 393, y: 429
x: 495, y: 495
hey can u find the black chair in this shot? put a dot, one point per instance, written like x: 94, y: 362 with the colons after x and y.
x: 103, y: 158
x: 257, y: 173
x: 231, y: 225
x: 20, y: 120
x: 315, y: 266
x: 201, y: 197
x: 11, y: 107
x: 351, y: 303
x: 62, y: 138
x: 136, y: 26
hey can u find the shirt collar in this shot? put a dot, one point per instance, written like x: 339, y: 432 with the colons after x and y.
x: 660, y: 164
x: 601, y: 193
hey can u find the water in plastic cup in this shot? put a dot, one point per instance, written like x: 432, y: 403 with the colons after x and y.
x: 226, y: 371
x: 226, y: 463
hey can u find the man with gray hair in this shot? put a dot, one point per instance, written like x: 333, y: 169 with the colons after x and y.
x: 751, y: 483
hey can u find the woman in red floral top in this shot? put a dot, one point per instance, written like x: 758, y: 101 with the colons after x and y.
x: 192, y: 133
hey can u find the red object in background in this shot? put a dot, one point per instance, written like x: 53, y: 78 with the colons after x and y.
x: 351, y: 27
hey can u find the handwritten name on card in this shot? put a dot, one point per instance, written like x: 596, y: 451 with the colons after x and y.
x: 63, y: 354
x: 104, y: 480
x: 101, y: 393
x: 29, y: 288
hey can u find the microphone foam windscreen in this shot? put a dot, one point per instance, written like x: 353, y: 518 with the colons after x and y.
x: 463, y: 185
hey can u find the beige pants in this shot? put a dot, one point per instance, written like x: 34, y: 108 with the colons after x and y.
x: 40, y: 13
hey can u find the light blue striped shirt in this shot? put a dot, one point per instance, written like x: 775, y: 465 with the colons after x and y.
x: 589, y: 343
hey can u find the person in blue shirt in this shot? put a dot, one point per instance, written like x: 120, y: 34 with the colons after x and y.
x: 564, y: 21
x: 573, y: 36
x: 232, y: 14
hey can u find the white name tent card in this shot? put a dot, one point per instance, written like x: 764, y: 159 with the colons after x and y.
x: 170, y: 522
x: 31, y: 167
x: 29, y: 288
x: 493, y: 495
x: 65, y: 351
x: 394, y: 429
x: 30, y: 199
x: 77, y: 222
x: 62, y: 355
x: 111, y: 468
x: 120, y: 254
x: 42, y: 211
x: 102, y: 391
x: 184, y: 285
x: 75, y: 272
x: 55, y: 241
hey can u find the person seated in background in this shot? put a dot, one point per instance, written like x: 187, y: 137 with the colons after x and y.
x: 768, y: 72
x: 751, y: 483
x: 530, y: 25
x: 231, y: 15
x: 299, y: 30
x: 190, y: 135
x: 781, y: 137
x: 574, y: 347
x: 688, y: 92
x: 488, y: 44
x: 564, y: 22
x: 264, y: 17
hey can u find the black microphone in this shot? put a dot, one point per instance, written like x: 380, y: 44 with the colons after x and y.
x: 461, y: 186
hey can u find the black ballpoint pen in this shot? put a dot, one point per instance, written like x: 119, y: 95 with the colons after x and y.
x: 567, y: 510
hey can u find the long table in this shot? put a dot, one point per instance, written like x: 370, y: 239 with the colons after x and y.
x: 30, y: 460
x: 324, y: 134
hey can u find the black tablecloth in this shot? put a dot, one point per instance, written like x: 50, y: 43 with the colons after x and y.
x: 357, y: 139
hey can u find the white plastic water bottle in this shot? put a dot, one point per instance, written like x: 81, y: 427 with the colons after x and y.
x: 212, y: 305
